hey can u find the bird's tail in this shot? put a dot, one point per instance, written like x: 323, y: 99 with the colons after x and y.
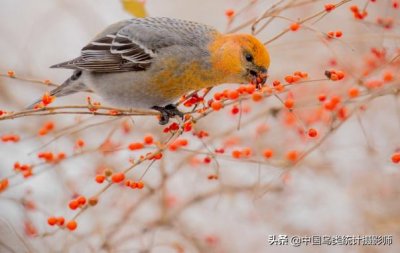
x: 70, y: 86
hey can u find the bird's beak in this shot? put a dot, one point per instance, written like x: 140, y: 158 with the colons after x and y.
x: 258, y: 77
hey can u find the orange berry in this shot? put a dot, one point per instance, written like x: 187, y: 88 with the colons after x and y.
x: 353, y: 92
x: 47, y: 99
x: 100, y: 178
x: 60, y: 221
x: 11, y: 73
x: 303, y: 74
x: 340, y: 74
x: 235, y: 110
x: 140, y: 185
x: 279, y: 88
x: 10, y: 137
x: 276, y: 83
x: 329, y: 106
x: 72, y: 225
x: 148, y: 139
x: 173, y: 146
x: 229, y: 13
x: 247, y: 151
x: 241, y: 89
x: 218, y: 96
x: 329, y: 7
x: 157, y: 156
x: 342, y: 113
x: 216, y: 105
x: 27, y: 173
x: 289, y: 79
x: 236, y: 154
x: 118, y: 177
x: 312, y: 132
x: 396, y: 157
x: 250, y: 88
x: 296, y: 78
x: 212, y: 177
x: 297, y: 73
x: 292, y: 155
x: 177, y: 144
x: 52, y: 221
x: 257, y: 96
x: 49, y: 125
x: 354, y: 8
x: 42, y: 132
x: 338, y: 34
x: 182, y: 142
x: 80, y: 143
x: 321, y: 97
x: 207, y: 159
x: 336, y: 100
x: 233, y: 94
x: 3, y: 184
x: 81, y: 200
x: 334, y: 77
x: 128, y: 183
x: 135, y: 146
x: 61, y: 156
x: 388, y: 76
x: 93, y: 201
x: 268, y: 153
x: 267, y: 90
x: 289, y: 103
x: 294, y: 26
x: 73, y: 204
x: 187, y: 126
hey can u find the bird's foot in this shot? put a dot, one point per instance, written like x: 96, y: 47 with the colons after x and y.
x: 167, y: 112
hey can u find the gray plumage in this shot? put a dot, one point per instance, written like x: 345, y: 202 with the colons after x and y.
x: 120, y: 62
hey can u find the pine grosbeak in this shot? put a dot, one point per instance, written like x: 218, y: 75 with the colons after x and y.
x: 151, y: 62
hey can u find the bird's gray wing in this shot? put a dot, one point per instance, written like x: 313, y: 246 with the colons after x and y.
x: 132, y: 45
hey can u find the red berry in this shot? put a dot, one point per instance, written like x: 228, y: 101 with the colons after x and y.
x: 268, y: 153
x: 312, y: 132
x: 52, y: 221
x: 118, y: 177
x: 135, y: 146
x: 72, y: 225
x: 396, y: 157
x: 81, y: 200
x: 148, y: 139
x: 329, y: 7
x: 294, y: 26
x: 73, y: 204
x: 100, y: 178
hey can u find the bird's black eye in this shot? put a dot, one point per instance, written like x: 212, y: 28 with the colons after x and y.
x: 249, y: 57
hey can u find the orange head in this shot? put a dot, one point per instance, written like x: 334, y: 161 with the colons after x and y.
x: 240, y: 58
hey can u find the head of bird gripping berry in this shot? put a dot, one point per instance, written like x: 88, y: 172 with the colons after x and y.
x: 243, y: 58
x: 256, y: 60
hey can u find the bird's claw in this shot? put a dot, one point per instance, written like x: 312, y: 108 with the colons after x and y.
x: 167, y: 112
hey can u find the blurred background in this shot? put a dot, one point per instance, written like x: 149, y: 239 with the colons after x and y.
x: 346, y: 183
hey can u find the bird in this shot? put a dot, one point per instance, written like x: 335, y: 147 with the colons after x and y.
x: 151, y: 62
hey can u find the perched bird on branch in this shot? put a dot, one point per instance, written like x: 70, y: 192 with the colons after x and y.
x: 151, y: 62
